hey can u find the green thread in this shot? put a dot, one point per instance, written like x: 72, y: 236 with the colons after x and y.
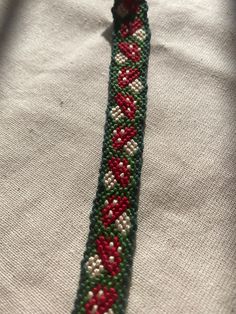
x: 106, y: 290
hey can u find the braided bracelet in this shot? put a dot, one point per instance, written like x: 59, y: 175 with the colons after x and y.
x: 106, y: 267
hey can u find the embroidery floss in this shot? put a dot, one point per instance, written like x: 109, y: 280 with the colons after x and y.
x: 106, y: 267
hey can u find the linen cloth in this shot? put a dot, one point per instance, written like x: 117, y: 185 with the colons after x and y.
x: 54, y: 67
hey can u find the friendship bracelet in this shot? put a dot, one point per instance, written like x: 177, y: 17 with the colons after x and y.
x: 106, y: 267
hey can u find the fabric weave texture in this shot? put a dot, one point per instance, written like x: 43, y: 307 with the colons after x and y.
x: 54, y: 74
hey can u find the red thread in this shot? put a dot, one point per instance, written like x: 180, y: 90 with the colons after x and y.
x: 129, y: 28
x: 126, y: 104
x: 119, y: 167
x: 103, y: 301
x: 122, y: 136
x: 116, y: 206
x: 108, y: 252
x: 127, y: 75
x: 131, y: 5
x: 130, y: 50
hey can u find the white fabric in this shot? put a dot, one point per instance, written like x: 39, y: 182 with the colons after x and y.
x: 54, y: 61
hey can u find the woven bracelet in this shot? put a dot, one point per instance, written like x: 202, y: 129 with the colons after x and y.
x: 106, y: 267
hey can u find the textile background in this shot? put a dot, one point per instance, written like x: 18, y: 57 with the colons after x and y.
x: 54, y: 63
